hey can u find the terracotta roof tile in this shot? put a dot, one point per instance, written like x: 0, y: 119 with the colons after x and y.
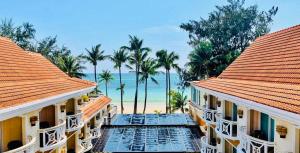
x: 93, y: 107
x: 267, y: 72
x: 27, y: 76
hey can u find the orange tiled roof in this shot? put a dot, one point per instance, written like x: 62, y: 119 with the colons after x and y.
x: 267, y: 72
x: 90, y: 109
x: 27, y: 76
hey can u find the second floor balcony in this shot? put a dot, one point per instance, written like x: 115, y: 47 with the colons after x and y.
x: 226, y: 128
x: 86, y: 145
x: 209, y: 115
x: 208, y: 147
x: 52, y: 137
x: 252, y: 144
x: 74, y: 122
x: 27, y: 148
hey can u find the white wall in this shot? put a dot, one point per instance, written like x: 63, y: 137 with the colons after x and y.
x: 288, y: 144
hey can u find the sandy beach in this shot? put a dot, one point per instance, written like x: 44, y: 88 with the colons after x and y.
x: 151, y: 107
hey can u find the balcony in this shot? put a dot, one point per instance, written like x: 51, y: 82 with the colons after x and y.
x: 226, y: 127
x: 250, y: 144
x: 206, y: 147
x: 52, y: 137
x: 74, y: 122
x: 27, y: 148
x: 209, y: 115
x: 86, y: 145
x: 95, y: 132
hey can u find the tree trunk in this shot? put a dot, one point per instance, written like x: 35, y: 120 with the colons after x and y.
x: 167, y: 92
x: 95, y: 77
x: 106, y: 88
x: 120, y: 75
x: 136, y: 89
x: 145, y: 102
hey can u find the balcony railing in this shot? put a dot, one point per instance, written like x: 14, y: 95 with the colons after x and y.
x: 209, y: 115
x: 113, y: 111
x: 249, y: 144
x: 74, y: 122
x: 86, y: 145
x: 27, y: 148
x: 226, y: 128
x: 95, y: 132
x: 52, y: 137
x: 206, y: 147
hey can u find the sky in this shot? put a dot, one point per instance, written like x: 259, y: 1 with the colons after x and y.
x: 82, y: 24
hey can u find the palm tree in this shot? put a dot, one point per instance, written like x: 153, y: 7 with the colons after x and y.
x: 93, y: 56
x: 167, y: 61
x: 200, y: 60
x: 138, y: 54
x: 106, y: 77
x: 178, y: 101
x: 148, y: 70
x: 71, y: 66
x: 120, y: 57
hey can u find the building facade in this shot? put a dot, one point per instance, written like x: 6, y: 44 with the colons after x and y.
x: 44, y: 110
x: 254, y: 105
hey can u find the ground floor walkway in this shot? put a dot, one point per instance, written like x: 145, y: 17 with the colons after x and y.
x: 150, y: 133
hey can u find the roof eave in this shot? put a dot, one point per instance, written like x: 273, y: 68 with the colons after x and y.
x: 274, y: 112
x: 19, y: 110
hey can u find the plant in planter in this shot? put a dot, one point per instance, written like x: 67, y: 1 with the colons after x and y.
x: 62, y: 108
x: 282, y: 131
x: 33, y: 120
x: 85, y: 98
x: 240, y: 113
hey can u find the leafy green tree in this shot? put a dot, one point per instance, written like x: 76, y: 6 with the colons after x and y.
x: 94, y: 56
x: 229, y: 29
x: 167, y: 61
x: 178, y: 101
x: 21, y: 35
x: 119, y: 58
x: 148, y: 71
x: 106, y: 77
x: 71, y: 66
x: 138, y: 53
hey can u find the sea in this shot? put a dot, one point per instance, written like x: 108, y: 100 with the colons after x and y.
x: 156, y: 92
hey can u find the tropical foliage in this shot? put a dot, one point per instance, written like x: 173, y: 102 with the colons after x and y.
x: 138, y: 53
x: 167, y: 61
x: 178, y: 101
x: 227, y: 31
x: 71, y: 66
x: 106, y: 77
x: 148, y: 71
x: 119, y: 58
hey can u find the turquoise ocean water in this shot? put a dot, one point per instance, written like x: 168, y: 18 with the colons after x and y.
x: 156, y: 92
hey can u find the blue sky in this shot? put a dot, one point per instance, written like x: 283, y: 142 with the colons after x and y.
x: 81, y: 24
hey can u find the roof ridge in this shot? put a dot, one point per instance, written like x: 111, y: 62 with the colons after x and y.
x: 279, y: 31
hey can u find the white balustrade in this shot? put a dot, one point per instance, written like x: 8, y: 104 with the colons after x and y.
x: 86, y: 145
x: 209, y: 115
x: 52, y: 137
x: 95, y: 132
x: 249, y: 144
x: 206, y: 147
x: 74, y: 122
x: 226, y: 128
x: 113, y: 111
x: 27, y: 148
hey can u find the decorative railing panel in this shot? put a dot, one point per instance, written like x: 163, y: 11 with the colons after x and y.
x: 209, y: 115
x: 86, y: 145
x: 206, y: 147
x: 226, y: 128
x: 95, y: 132
x: 249, y: 144
x: 52, y: 137
x: 27, y: 148
x: 74, y: 122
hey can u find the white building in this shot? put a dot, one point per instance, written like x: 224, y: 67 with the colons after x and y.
x: 44, y: 110
x: 254, y: 105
